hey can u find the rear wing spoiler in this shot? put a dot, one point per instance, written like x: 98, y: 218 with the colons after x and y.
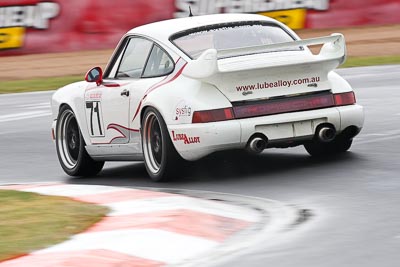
x: 333, y: 49
x: 334, y: 45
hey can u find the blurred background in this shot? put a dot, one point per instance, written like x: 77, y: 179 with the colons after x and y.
x: 46, y: 44
x: 83, y: 33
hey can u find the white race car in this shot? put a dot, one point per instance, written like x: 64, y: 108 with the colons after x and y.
x: 181, y: 89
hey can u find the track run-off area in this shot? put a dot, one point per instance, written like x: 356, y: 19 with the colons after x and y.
x: 352, y: 200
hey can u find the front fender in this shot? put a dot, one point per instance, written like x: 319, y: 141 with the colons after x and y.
x: 73, y: 96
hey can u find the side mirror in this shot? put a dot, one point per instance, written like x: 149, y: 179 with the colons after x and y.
x: 94, y: 75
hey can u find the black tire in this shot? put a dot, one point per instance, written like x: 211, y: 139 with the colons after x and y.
x: 161, y: 159
x: 319, y: 149
x: 70, y: 145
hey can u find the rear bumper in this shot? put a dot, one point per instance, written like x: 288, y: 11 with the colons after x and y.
x: 194, y: 141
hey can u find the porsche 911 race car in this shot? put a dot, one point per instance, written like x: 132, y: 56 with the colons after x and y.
x: 184, y: 88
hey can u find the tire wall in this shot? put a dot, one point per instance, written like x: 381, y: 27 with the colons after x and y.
x: 42, y: 26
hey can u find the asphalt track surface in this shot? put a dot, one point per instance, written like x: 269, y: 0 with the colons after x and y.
x: 354, y: 199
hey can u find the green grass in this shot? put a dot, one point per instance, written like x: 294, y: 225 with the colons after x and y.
x: 52, y: 83
x: 39, y: 84
x: 371, y: 61
x: 30, y: 221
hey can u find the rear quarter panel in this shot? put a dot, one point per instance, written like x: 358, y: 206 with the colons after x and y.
x: 178, y: 100
x: 338, y: 83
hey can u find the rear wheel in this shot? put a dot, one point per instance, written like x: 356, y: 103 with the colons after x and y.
x: 339, y: 145
x: 161, y: 159
x: 70, y: 145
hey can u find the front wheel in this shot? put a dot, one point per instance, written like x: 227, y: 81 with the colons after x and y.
x: 70, y: 145
x: 160, y: 156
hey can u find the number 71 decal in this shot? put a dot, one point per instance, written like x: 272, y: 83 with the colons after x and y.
x: 94, y: 118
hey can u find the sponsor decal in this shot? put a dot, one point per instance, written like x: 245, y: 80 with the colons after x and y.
x: 290, y: 12
x: 94, y: 118
x: 97, y: 95
x: 11, y: 37
x: 182, y: 110
x: 14, y: 20
x: 247, y: 93
x: 312, y: 85
x: 293, y: 18
x: 186, y: 139
x: 279, y: 83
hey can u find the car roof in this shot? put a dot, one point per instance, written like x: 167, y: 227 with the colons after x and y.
x: 162, y: 30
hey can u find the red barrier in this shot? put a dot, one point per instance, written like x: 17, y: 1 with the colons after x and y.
x: 343, y: 13
x: 34, y: 26
x: 39, y: 26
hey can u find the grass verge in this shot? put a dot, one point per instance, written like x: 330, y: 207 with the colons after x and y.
x: 38, y: 84
x: 30, y: 221
x: 370, y: 61
x: 42, y: 84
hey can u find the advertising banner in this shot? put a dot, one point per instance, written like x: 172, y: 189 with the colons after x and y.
x: 40, y: 26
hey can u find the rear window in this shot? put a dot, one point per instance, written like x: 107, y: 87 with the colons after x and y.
x: 227, y: 36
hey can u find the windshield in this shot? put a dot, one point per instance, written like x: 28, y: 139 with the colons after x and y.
x: 230, y: 36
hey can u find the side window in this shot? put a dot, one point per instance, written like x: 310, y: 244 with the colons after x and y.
x: 134, y: 58
x: 158, y: 64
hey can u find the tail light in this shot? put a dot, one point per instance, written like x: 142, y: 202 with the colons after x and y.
x: 344, y: 99
x: 301, y: 103
x: 213, y: 115
x: 278, y: 106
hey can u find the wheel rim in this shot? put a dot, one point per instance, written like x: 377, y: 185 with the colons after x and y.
x: 68, y: 139
x: 152, y: 143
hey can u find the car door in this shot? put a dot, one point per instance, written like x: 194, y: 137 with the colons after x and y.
x: 108, y: 105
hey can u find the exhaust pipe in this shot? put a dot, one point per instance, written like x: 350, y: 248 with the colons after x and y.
x: 326, y: 134
x: 257, y: 145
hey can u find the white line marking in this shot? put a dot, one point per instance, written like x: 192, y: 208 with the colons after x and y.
x: 35, y: 105
x: 50, y: 92
x: 378, y: 137
x: 73, y: 190
x: 376, y: 134
x: 151, y: 244
x: 6, y: 133
x: 39, y: 107
x: 24, y: 115
x: 43, y: 106
x: 376, y: 140
x: 182, y: 202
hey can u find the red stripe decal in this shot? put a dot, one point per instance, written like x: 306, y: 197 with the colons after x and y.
x: 107, y: 84
x: 164, y: 83
x: 138, y: 108
x: 157, y: 85
x: 115, y: 126
x: 111, y: 85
